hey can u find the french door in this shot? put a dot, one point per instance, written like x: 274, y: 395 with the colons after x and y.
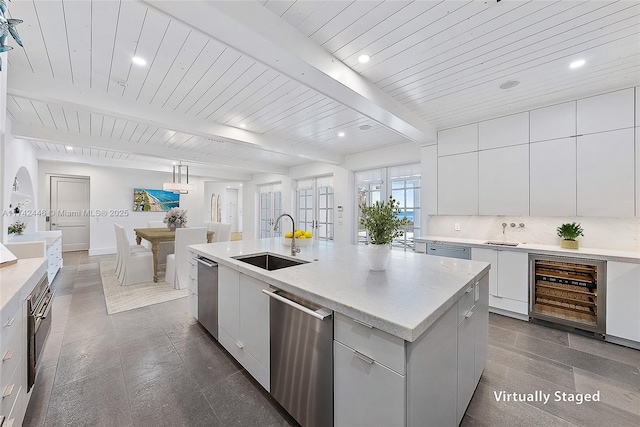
x: 315, y: 207
x: 270, y: 209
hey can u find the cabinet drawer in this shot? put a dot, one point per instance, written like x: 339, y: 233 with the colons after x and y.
x: 193, y: 304
x: 13, y: 389
x: 246, y: 359
x: 11, y: 336
x: 514, y: 306
x: 465, y: 302
x: 366, y: 393
x: 8, y: 366
x: 384, y: 348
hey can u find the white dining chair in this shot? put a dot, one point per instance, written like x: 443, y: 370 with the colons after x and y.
x: 164, y: 248
x: 221, y: 231
x: 178, y: 262
x: 134, y: 248
x: 136, y: 265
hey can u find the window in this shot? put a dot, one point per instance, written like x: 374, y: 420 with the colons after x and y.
x: 270, y: 208
x: 403, y: 184
x: 315, y: 206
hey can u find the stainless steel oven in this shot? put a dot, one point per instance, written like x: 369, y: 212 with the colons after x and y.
x: 39, y: 304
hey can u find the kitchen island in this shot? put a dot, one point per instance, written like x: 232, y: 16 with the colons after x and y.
x: 421, y: 326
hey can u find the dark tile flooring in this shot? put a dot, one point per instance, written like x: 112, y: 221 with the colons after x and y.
x: 156, y: 366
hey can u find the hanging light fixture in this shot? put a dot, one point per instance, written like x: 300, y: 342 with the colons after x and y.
x: 180, y: 182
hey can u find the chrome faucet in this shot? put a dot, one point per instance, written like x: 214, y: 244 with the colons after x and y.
x: 294, y: 248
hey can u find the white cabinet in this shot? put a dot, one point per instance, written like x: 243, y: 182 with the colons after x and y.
x: 366, y: 393
x: 192, y: 284
x: 554, y: 122
x: 610, y: 111
x: 553, y: 178
x: 504, y: 131
x: 243, y: 321
x: 466, y: 363
x: 503, y: 181
x: 463, y: 139
x: 623, y: 300
x: 605, y: 174
x: 429, y: 183
x: 54, y: 258
x: 508, y: 278
x: 458, y: 184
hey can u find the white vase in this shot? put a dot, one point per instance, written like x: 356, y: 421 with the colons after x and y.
x: 378, y: 256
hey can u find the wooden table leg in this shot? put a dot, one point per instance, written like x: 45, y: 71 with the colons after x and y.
x: 154, y: 250
x: 138, y: 239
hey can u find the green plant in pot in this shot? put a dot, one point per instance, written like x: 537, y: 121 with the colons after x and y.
x: 569, y: 233
x: 384, y: 222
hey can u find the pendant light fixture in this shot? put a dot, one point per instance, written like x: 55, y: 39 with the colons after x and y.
x: 180, y: 184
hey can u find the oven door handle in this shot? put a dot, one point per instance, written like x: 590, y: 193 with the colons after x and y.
x: 43, y: 314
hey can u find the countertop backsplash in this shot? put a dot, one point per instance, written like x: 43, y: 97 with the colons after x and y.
x: 599, y: 232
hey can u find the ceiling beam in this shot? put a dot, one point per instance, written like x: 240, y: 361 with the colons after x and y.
x: 46, y: 89
x: 39, y: 133
x: 255, y: 31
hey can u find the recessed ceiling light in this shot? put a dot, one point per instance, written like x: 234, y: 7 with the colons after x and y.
x: 363, y: 59
x: 68, y: 147
x: 138, y: 61
x: 242, y: 125
x: 341, y: 134
x: 509, y: 84
x: 365, y: 127
x: 577, y: 64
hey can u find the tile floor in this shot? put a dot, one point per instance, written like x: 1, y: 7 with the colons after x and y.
x: 156, y: 366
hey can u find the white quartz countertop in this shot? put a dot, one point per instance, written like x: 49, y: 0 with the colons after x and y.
x: 48, y: 236
x: 588, y: 253
x: 404, y: 300
x: 13, y: 279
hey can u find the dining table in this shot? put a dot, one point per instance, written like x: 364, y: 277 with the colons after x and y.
x: 155, y: 236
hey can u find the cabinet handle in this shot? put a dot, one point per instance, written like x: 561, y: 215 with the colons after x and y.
x: 496, y: 296
x: 363, y: 323
x: 239, y: 345
x: 8, y: 355
x: 469, y: 314
x: 363, y: 357
x: 468, y: 290
x: 10, y: 322
x: 8, y: 390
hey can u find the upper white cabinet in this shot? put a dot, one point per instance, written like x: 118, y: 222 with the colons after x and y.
x: 605, y: 173
x: 504, y: 131
x: 463, y: 139
x: 504, y: 181
x: 429, y: 171
x: 606, y: 112
x: 557, y: 121
x: 458, y: 184
x: 553, y: 178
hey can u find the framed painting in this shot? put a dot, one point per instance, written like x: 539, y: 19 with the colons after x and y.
x: 148, y: 200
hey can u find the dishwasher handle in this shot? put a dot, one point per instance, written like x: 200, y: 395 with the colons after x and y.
x: 206, y: 262
x: 321, y: 314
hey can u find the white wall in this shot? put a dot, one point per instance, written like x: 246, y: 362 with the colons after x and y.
x: 220, y: 188
x: 19, y: 157
x: 112, y: 188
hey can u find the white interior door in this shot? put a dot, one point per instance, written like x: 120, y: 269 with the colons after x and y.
x: 70, y: 211
x: 232, y: 208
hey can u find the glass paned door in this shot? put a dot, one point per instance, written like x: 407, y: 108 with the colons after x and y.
x: 407, y: 193
x: 324, y: 223
x: 315, y: 208
x: 368, y: 193
x: 270, y: 209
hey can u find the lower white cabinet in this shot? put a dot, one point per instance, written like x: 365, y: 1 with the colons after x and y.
x: 193, y: 284
x: 380, y: 380
x: 509, y: 278
x: 623, y: 300
x: 243, y: 321
x: 366, y: 393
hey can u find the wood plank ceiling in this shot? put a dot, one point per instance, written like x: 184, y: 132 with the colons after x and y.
x: 442, y: 60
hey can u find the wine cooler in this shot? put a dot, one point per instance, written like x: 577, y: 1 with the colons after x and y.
x: 568, y: 291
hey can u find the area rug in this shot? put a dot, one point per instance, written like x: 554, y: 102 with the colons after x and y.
x: 122, y: 298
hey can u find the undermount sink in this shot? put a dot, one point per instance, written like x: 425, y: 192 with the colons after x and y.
x: 490, y: 242
x: 269, y: 261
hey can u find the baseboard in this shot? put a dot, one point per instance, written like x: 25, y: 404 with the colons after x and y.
x: 622, y: 341
x: 102, y: 251
x: 509, y: 313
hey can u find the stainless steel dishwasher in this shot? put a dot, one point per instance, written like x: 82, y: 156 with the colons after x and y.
x: 301, y: 357
x: 208, y: 295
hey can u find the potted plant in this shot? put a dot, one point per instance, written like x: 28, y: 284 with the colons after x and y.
x: 17, y: 227
x: 175, y: 218
x: 569, y: 233
x: 383, y: 222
